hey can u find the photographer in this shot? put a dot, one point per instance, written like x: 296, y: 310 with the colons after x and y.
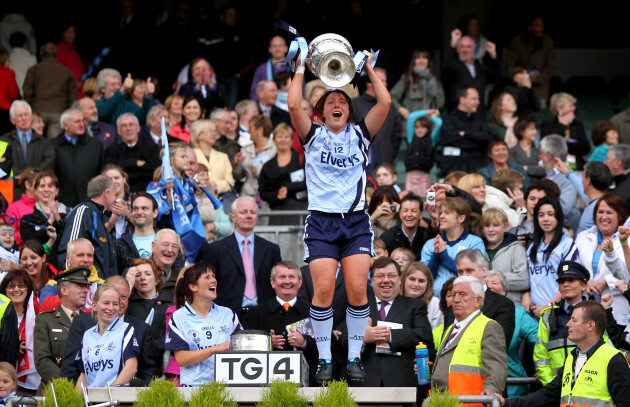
x: 536, y: 191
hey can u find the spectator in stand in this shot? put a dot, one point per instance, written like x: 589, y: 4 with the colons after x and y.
x: 47, y: 211
x: 525, y: 153
x: 138, y: 100
x: 154, y: 125
x: 380, y: 210
x: 191, y: 112
x: 603, y: 135
x: 203, y: 138
x: 110, y: 91
x: 464, y: 135
x: 469, y: 25
x: 462, y: 70
x: 78, y: 158
x: 261, y: 150
x: 420, y: 157
x: 536, y: 191
x: 267, y: 92
x: 418, y: 88
x: 552, y: 149
x: 175, y: 106
x: 502, y: 118
x: 386, y: 142
x: 266, y: 71
x: 203, y: 87
x: 38, y: 124
x: 149, y: 304
x: 409, y: 233
x: 550, y: 246
x: 521, y: 88
x: 282, y: 182
x: 417, y: 282
x: 39, y: 152
x: 562, y: 106
x: 246, y: 109
x: 88, y: 220
x: 621, y: 120
x: 89, y: 89
x: 504, y: 252
x: 403, y: 257
x: 50, y: 88
x: 499, y: 154
x: 535, y: 51
x: 593, y: 183
x: 67, y: 54
x: 103, y: 131
x: 9, y: 337
x: 18, y: 287
x: 525, y: 333
x: 9, y: 90
x: 138, y: 157
x: 138, y: 244
x: 599, y: 250
x: 167, y: 255
x: 26, y: 204
x: 118, y: 223
x: 618, y: 161
x: 21, y: 59
x: 506, y: 194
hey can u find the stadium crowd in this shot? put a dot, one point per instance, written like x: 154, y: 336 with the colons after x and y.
x: 507, y: 237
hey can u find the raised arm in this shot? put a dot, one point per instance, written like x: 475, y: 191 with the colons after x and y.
x: 376, y: 116
x: 300, y: 119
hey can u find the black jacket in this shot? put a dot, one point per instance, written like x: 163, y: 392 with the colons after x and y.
x: 386, y: 141
x: 277, y: 116
x: 578, y: 142
x: 208, y: 99
x: 141, y: 308
x: 128, y: 157
x: 87, y: 220
x: 395, y: 238
x: 83, y: 322
x: 473, y: 143
x: 126, y: 252
x: 76, y: 165
x: 621, y: 187
x: 28, y: 232
x: 106, y: 133
x: 9, y: 339
x: 420, y: 154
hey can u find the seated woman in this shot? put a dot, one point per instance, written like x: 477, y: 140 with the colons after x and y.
x: 282, y: 181
x: 18, y: 287
x: 33, y: 258
x: 202, y: 137
x: 111, y: 344
x: 502, y: 118
x: 48, y: 211
x: 439, y: 252
x: 261, y: 151
x: 603, y: 135
x: 191, y: 112
x: 499, y: 155
x: 417, y: 282
x: 525, y: 152
x: 380, y: 209
x: 214, y: 323
x: 138, y: 100
x: 148, y: 303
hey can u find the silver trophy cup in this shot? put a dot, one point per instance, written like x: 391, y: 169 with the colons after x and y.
x: 330, y: 58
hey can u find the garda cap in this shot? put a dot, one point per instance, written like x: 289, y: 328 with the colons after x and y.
x: 572, y: 269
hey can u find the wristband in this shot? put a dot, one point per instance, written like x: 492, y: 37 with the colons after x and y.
x: 300, y: 69
x: 624, y: 242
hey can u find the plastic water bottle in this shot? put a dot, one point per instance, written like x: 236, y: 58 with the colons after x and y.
x: 422, y: 362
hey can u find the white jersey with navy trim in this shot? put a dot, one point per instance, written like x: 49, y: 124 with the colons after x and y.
x: 335, y: 168
x: 103, y: 357
x: 188, y: 330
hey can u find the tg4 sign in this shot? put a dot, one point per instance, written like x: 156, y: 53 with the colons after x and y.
x: 250, y: 368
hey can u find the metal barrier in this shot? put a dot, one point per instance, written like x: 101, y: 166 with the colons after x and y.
x: 24, y: 401
x: 288, y: 237
x: 522, y: 380
x: 494, y: 400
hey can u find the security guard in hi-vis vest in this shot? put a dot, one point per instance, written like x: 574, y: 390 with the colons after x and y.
x: 52, y: 327
x: 594, y: 373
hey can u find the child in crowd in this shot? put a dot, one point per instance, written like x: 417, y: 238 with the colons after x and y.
x: 403, y: 257
x: 385, y: 174
x: 504, y: 252
x: 380, y: 248
x: 420, y: 158
x: 8, y: 382
x: 206, y: 208
x: 9, y: 252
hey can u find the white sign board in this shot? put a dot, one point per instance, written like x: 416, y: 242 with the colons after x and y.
x: 249, y: 368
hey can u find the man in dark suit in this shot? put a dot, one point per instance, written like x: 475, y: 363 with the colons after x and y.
x: 83, y: 322
x: 243, y: 261
x: 267, y: 92
x: 393, y: 367
x: 495, y: 306
x: 287, y: 308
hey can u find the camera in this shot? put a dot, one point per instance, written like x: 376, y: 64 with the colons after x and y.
x: 431, y: 198
x: 393, y: 208
x: 527, y: 237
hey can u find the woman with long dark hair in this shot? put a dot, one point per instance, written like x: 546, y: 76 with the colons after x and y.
x: 380, y: 210
x: 33, y: 259
x: 550, y: 246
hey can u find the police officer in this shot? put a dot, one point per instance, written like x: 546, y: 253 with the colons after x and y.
x: 52, y: 327
x: 552, y: 345
x: 594, y: 373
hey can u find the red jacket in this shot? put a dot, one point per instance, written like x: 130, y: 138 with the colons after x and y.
x: 9, y: 90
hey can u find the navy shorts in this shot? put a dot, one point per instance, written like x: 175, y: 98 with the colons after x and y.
x: 336, y: 235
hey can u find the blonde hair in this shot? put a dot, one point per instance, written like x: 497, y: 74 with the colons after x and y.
x: 470, y: 181
x: 173, y: 149
x: 403, y: 250
x: 197, y: 128
x: 560, y: 99
x: 10, y: 370
x: 493, y: 216
x: 424, y: 269
x: 101, y: 289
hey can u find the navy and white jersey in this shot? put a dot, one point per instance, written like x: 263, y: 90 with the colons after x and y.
x: 335, y: 168
x: 102, y: 358
x: 188, y: 330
